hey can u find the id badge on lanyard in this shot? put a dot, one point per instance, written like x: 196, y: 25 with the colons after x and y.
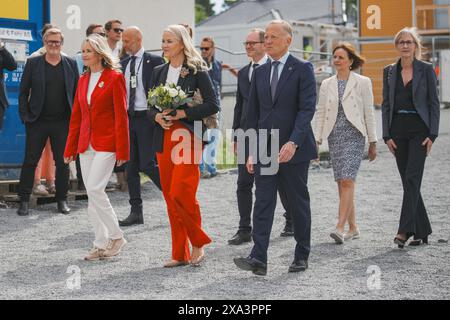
x: 133, y: 82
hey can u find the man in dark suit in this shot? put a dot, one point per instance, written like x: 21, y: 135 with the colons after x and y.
x: 138, y: 69
x: 282, y: 101
x: 6, y: 62
x: 254, y: 46
x: 47, y: 90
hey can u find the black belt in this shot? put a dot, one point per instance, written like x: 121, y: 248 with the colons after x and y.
x: 136, y: 114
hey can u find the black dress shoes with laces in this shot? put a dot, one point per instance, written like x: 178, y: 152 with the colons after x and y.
x: 250, y: 264
x: 298, y: 266
x: 240, y: 237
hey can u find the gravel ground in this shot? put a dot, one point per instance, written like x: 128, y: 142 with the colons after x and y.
x: 41, y: 255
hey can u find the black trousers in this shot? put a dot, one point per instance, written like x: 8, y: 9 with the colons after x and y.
x: 142, y: 156
x: 37, y: 134
x: 244, y: 195
x: 294, y: 180
x: 409, y: 132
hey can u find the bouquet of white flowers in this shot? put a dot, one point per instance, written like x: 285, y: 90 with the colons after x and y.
x: 168, y: 96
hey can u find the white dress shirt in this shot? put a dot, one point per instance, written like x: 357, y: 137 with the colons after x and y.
x: 140, y: 102
x: 282, y: 61
x: 260, y: 62
x: 95, y: 76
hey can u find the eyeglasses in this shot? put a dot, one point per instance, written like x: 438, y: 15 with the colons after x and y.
x: 53, y: 43
x: 251, y: 43
x: 205, y: 48
x: 117, y: 30
x: 407, y: 43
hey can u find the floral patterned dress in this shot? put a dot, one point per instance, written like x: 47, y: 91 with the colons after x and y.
x: 346, y: 143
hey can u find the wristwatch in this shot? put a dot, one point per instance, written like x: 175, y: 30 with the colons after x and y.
x: 293, y: 143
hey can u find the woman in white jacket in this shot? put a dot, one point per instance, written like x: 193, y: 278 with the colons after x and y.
x: 345, y: 117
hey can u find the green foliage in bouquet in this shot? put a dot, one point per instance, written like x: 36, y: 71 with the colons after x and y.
x: 169, y: 96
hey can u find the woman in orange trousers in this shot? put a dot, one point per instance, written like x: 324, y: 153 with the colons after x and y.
x: 179, y: 146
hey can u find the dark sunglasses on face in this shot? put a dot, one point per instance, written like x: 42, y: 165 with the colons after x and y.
x: 102, y: 34
x: 117, y: 30
x: 205, y: 49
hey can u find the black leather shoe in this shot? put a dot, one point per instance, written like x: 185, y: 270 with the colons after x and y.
x: 23, y: 209
x: 250, y: 264
x: 288, y: 231
x: 135, y: 217
x: 240, y: 237
x: 63, y: 207
x: 298, y: 266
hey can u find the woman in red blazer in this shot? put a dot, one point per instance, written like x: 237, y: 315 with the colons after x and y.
x: 98, y: 132
x: 179, y: 146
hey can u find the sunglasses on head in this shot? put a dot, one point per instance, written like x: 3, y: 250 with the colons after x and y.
x: 117, y: 30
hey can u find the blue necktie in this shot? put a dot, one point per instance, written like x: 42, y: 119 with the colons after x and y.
x: 274, y: 80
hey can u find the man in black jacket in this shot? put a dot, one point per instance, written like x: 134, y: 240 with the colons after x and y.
x: 137, y: 69
x: 46, y: 96
x: 6, y: 62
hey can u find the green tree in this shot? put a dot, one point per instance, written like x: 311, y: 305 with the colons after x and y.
x: 203, y: 10
x: 200, y: 13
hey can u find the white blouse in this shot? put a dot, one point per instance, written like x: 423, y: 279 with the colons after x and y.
x: 173, y: 75
x: 95, y: 76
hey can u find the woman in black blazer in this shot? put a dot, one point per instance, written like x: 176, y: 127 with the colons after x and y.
x: 410, y: 113
x: 178, y: 141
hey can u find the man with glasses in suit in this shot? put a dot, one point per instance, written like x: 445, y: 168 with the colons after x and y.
x: 254, y: 46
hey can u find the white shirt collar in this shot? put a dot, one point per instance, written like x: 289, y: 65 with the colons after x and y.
x: 283, y: 59
x: 140, y: 53
x: 262, y: 61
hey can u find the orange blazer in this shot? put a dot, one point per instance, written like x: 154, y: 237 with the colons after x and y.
x: 103, y: 123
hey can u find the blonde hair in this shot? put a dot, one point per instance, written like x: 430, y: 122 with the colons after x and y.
x: 100, y: 46
x: 416, y: 38
x: 193, y: 59
x: 53, y: 31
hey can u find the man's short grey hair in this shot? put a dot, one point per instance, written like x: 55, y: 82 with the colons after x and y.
x: 286, y: 25
x: 53, y: 31
x: 260, y: 32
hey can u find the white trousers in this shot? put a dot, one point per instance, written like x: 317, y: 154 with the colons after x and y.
x: 96, y: 168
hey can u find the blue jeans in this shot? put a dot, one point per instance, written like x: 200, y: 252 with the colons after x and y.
x: 209, y: 153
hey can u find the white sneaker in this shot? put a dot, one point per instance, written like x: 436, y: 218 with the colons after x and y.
x: 40, y: 190
x: 337, y: 236
x: 351, y: 236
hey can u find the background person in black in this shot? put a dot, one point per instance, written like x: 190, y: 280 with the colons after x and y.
x: 6, y: 62
x: 138, y: 69
x: 410, y: 113
x: 47, y: 89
